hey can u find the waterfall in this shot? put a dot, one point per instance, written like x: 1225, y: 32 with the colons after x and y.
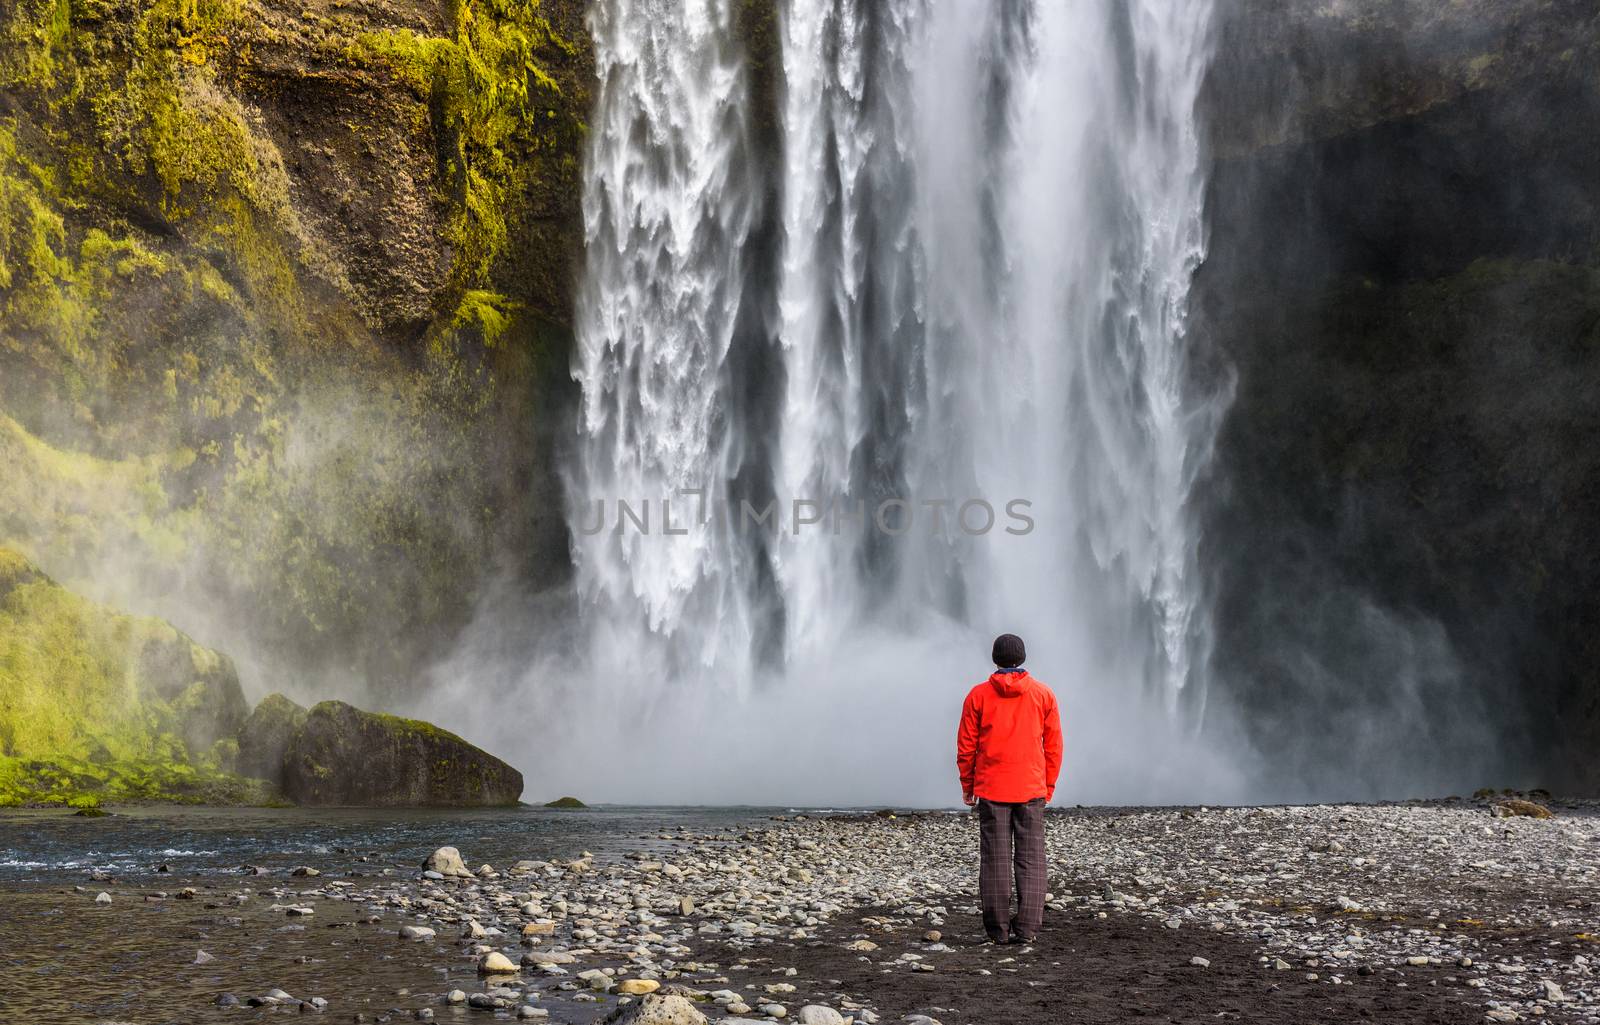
x: 669, y: 205
x: 983, y: 222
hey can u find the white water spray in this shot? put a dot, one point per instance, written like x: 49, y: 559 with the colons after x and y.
x: 988, y: 218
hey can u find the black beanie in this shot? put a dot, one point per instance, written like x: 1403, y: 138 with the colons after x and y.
x: 1008, y: 651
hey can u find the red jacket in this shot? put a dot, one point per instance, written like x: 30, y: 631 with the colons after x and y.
x: 1008, y: 748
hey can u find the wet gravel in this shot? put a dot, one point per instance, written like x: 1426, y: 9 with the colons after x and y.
x: 1425, y: 912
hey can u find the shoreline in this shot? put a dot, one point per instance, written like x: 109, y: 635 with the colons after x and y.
x: 1423, y: 912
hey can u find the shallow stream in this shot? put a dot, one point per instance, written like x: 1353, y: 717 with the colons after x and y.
x: 66, y: 958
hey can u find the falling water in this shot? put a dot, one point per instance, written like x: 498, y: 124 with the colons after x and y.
x: 985, y: 219
x: 669, y: 205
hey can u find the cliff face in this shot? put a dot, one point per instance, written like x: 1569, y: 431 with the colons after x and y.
x: 1404, y: 274
x: 283, y: 295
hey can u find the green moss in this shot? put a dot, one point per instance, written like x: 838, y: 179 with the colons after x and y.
x: 497, y: 113
x: 77, y: 784
x: 566, y: 802
x: 487, y: 313
x: 184, y: 389
x: 82, y: 713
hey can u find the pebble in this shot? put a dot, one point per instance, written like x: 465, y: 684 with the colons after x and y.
x: 496, y: 963
x: 637, y: 987
x: 1299, y: 882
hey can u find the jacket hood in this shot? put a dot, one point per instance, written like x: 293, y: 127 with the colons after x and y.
x: 1008, y: 683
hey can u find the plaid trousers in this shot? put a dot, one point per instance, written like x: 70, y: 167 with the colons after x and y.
x: 1011, y: 834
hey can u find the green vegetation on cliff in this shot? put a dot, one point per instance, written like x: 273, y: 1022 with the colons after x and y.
x: 97, y: 706
x: 276, y: 282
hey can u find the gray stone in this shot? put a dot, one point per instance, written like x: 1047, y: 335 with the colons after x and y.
x: 447, y: 862
x: 657, y: 1009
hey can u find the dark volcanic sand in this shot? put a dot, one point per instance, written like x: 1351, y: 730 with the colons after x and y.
x: 1088, y: 969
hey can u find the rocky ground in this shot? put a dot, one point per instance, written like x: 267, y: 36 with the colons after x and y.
x: 1441, y: 912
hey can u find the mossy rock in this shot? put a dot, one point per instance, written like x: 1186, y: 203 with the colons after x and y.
x: 342, y: 755
x: 565, y: 802
x: 264, y: 737
x: 97, y: 706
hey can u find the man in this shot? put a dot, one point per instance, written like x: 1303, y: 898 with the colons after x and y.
x: 1008, y: 751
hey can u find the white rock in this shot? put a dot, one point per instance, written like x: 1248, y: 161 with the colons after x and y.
x: 496, y: 963
x: 447, y: 862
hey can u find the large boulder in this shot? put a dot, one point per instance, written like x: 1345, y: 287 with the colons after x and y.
x: 264, y: 737
x: 342, y: 755
x: 658, y: 1009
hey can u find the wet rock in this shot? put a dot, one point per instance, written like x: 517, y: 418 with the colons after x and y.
x: 341, y: 755
x: 596, y: 979
x: 264, y: 737
x: 637, y: 987
x: 658, y: 1009
x: 102, y: 898
x: 496, y: 963
x: 447, y: 862
x: 416, y: 932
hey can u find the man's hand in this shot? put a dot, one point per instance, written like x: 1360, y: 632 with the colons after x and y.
x: 971, y: 799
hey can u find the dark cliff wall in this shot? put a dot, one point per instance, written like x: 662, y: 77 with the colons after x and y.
x: 1404, y: 274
